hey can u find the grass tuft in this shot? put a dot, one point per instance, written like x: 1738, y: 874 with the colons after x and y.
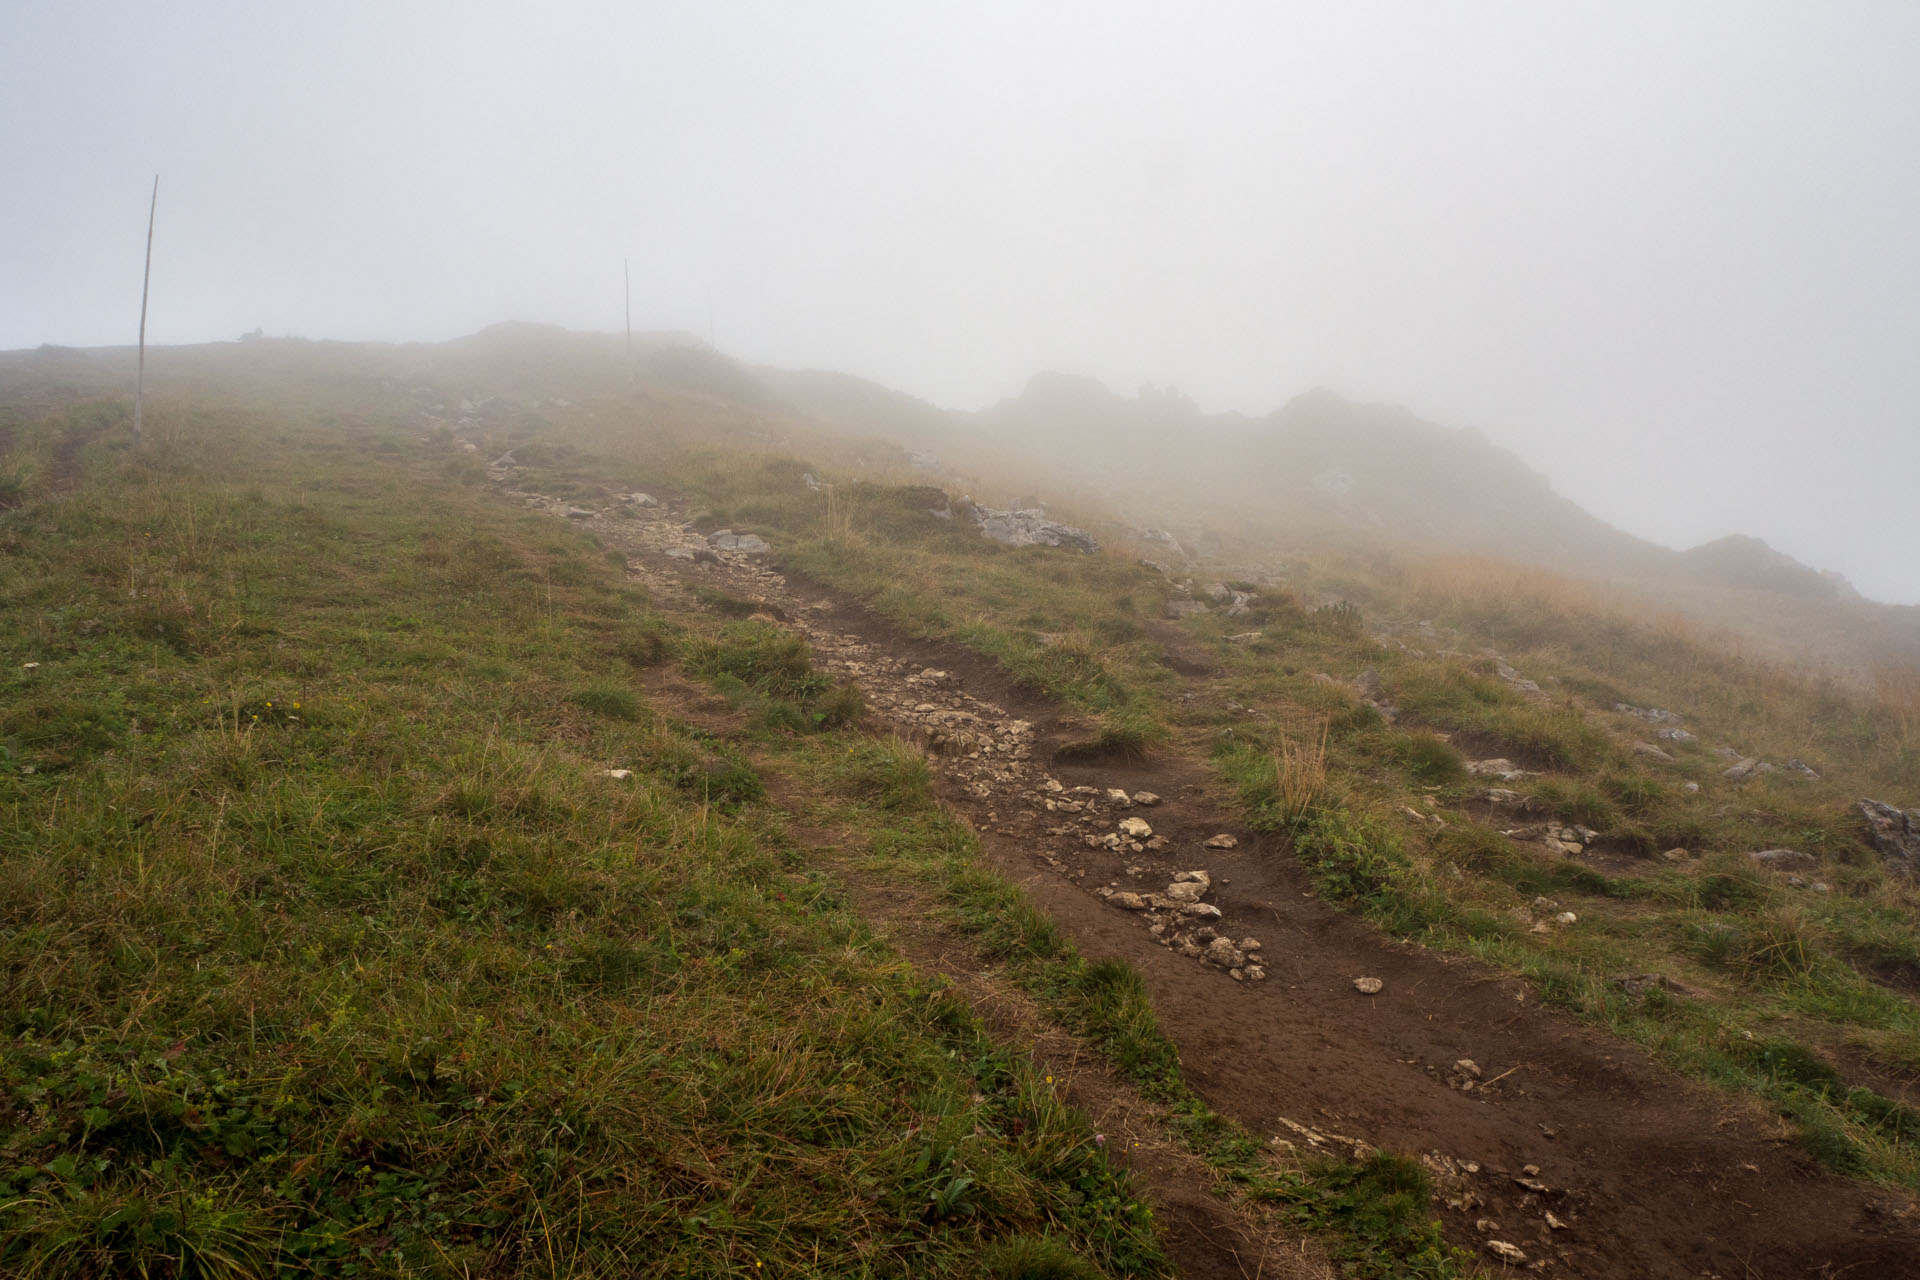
x: 608, y: 700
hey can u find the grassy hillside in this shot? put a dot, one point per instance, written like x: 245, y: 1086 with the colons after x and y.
x: 1789, y: 979
x: 334, y: 944
x: 333, y: 947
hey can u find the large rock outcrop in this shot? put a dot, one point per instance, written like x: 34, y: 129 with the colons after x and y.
x: 1029, y: 527
x: 1896, y: 834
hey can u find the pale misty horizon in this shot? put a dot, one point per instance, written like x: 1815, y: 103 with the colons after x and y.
x: 1665, y: 254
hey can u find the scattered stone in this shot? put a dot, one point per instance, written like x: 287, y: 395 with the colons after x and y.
x: 1353, y: 1147
x: 1804, y: 769
x: 1639, y: 984
x: 1135, y: 828
x: 1201, y: 911
x: 1566, y: 840
x: 744, y: 543
x: 1221, y: 841
x: 1515, y: 679
x: 1652, y: 715
x: 1673, y: 733
x: 1029, y: 527
x: 1676, y: 855
x: 1145, y: 799
x: 1651, y: 752
x: 640, y: 500
x: 1506, y: 1252
x: 1499, y: 767
x: 1691, y: 788
x: 1116, y: 796
x: 1256, y: 973
x: 1223, y: 953
x: 1467, y: 1066
x: 1424, y: 819
x: 1894, y: 833
x: 1186, y: 891
x: 1160, y: 537
x: 1501, y: 795
x: 580, y: 513
x: 1745, y: 768
x: 1554, y: 1222
x: 1128, y: 901
x: 1566, y: 919
x: 504, y: 460
x: 1368, y: 986
x: 1780, y: 857
x: 616, y: 773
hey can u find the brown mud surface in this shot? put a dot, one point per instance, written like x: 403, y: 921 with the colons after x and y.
x: 1541, y: 1131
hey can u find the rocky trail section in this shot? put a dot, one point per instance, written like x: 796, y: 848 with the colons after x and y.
x: 1556, y: 1148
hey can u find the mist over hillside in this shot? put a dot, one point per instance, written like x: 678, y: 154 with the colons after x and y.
x: 1237, y: 492
x: 1325, y: 471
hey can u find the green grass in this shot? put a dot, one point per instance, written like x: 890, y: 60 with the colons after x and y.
x: 1780, y: 961
x: 331, y: 947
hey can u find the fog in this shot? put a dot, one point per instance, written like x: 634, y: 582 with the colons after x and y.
x: 1666, y: 253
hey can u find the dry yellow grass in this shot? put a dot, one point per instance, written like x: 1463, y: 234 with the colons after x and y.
x: 1897, y: 687
x: 1300, y: 770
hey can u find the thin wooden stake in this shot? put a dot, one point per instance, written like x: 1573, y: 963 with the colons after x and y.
x: 146, y: 278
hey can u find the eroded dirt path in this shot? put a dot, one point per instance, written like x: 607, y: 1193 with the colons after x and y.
x: 1571, y: 1147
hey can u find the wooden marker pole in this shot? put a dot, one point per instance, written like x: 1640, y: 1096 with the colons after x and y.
x: 146, y: 278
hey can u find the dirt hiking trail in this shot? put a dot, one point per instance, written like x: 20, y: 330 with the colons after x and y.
x: 1573, y: 1149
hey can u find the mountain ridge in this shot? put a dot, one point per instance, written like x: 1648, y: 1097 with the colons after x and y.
x: 1320, y: 470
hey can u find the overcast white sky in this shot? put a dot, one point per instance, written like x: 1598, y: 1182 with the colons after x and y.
x: 1668, y: 253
